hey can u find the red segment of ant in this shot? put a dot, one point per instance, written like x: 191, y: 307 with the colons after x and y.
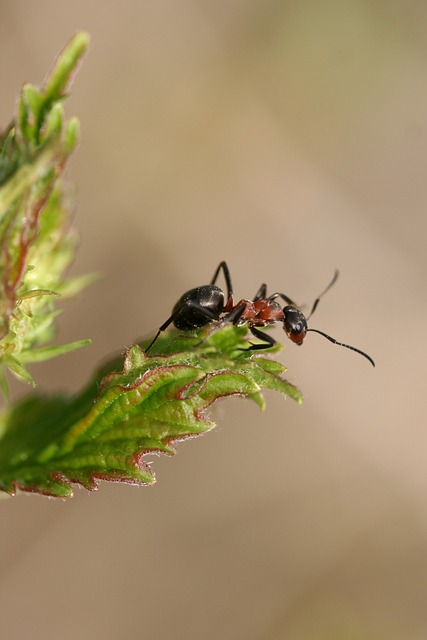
x: 206, y: 304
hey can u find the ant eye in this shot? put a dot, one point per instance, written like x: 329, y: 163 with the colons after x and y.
x: 297, y: 329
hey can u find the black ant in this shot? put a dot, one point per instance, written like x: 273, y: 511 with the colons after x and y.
x: 208, y: 303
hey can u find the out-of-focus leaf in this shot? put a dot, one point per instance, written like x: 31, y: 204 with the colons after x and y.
x: 37, y: 244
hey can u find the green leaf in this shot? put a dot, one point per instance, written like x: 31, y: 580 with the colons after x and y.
x: 65, y: 65
x: 46, y: 353
x: 18, y: 368
x: 54, y: 121
x: 72, y: 286
x: 71, y: 135
x: 35, y: 293
x: 33, y: 98
x: 151, y: 402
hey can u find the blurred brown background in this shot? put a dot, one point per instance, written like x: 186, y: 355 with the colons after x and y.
x: 288, y: 138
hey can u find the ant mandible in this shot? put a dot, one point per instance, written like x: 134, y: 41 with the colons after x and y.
x: 208, y: 303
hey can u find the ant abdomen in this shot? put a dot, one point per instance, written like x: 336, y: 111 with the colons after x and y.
x: 198, y: 307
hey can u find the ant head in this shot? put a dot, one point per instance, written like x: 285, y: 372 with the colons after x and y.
x: 294, y: 324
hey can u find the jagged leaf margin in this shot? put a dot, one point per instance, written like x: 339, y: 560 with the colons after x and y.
x: 49, y: 443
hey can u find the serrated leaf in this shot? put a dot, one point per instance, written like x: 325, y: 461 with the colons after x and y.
x: 150, y: 403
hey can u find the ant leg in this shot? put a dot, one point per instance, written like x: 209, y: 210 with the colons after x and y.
x: 261, y: 293
x: 316, y: 302
x: 268, y: 341
x: 233, y: 317
x: 162, y: 328
x: 286, y: 299
x: 192, y: 304
x: 223, y: 265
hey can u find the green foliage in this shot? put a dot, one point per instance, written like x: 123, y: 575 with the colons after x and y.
x: 136, y: 404
x: 37, y: 244
x: 48, y: 443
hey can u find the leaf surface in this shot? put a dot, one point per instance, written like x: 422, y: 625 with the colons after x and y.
x: 151, y: 402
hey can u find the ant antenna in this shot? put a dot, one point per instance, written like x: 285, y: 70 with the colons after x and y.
x: 325, y: 335
x: 316, y: 302
x: 341, y: 344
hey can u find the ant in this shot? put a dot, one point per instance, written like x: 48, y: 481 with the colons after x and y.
x: 208, y: 303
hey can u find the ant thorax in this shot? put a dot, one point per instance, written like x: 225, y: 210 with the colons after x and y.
x: 260, y: 313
